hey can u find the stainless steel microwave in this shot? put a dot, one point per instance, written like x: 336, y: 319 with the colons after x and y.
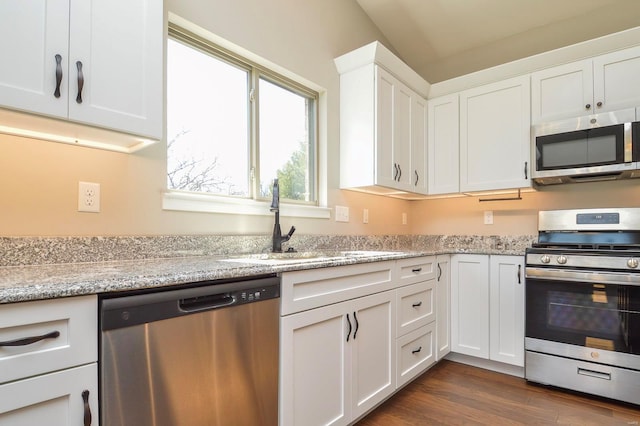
x: 591, y: 148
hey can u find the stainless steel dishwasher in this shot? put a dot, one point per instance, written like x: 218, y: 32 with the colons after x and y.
x: 206, y: 355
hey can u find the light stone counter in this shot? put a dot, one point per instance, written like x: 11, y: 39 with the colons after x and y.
x: 34, y: 268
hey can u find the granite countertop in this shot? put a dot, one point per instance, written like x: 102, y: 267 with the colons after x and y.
x: 34, y: 282
x: 34, y: 268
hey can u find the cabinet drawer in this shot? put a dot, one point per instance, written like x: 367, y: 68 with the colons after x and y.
x: 308, y: 289
x: 52, y: 399
x: 71, y: 323
x: 416, y: 306
x: 414, y: 353
x: 415, y: 269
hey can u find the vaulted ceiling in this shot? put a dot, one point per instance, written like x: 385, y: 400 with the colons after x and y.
x: 442, y: 39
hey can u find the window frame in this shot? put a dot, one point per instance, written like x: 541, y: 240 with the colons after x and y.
x: 175, y: 199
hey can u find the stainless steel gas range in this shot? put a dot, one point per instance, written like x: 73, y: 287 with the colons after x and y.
x: 583, y: 302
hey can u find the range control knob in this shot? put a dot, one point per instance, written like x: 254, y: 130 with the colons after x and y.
x: 545, y: 258
x: 632, y: 263
x: 561, y: 260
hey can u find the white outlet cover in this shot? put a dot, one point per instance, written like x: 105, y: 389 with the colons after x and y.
x: 88, y: 197
x: 488, y: 217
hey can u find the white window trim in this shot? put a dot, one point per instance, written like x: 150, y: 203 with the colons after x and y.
x: 207, y: 203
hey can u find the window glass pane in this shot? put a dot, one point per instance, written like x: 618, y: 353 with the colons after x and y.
x: 286, y: 143
x: 207, y: 123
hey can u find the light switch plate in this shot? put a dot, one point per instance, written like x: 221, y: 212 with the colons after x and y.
x: 342, y: 214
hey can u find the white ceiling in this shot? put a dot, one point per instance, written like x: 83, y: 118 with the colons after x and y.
x: 442, y: 39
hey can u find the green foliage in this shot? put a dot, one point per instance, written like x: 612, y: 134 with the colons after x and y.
x: 292, y: 177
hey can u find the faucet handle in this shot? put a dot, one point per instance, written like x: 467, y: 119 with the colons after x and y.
x: 291, y: 231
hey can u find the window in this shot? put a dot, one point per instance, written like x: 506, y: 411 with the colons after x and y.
x: 233, y: 126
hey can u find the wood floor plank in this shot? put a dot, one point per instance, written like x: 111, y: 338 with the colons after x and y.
x: 456, y: 394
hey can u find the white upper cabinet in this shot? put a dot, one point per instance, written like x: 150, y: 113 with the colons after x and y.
x: 443, y: 144
x: 419, y: 177
x: 562, y: 92
x: 95, y: 62
x: 119, y: 43
x: 383, y: 124
x: 586, y: 87
x: 495, y: 136
x: 34, y: 46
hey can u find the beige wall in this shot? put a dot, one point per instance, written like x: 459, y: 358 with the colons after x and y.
x: 466, y: 215
x: 39, y: 180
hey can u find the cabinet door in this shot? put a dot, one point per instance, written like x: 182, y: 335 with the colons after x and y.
x: 495, y: 136
x: 562, y: 92
x: 314, y: 374
x: 507, y: 309
x: 373, y: 356
x: 32, y: 33
x: 443, y: 306
x: 54, y: 399
x: 616, y: 80
x: 402, y: 115
x: 470, y: 304
x: 418, y: 176
x: 443, y: 145
x: 119, y: 44
x: 386, y: 168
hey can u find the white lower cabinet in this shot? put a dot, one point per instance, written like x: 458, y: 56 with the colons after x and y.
x: 350, y: 336
x: 470, y: 305
x: 415, y: 345
x: 506, y: 319
x: 443, y: 305
x: 487, y: 314
x: 338, y: 360
x: 415, y: 352
x: 48, y: 362
x: 55, y: 399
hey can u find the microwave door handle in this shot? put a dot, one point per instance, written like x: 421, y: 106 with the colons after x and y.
x: 628, y: 143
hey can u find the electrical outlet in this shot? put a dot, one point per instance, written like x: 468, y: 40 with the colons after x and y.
x: 365, y: 216
x: 488, y: 217
x: 88, y: 197
x: 404, y: 218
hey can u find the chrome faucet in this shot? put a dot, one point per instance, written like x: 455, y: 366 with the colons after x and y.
x: 278, y: 238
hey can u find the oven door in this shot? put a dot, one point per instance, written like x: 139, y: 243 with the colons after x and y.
x: 593, y: 316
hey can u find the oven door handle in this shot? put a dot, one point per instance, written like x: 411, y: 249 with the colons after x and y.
x: 587, y: 277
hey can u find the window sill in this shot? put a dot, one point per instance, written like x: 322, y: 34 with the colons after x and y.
x: 184, y: 201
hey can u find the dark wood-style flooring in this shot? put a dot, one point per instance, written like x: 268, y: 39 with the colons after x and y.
x: 456, y: 394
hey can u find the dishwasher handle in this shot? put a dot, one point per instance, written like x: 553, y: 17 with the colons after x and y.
x: 202, y: 303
